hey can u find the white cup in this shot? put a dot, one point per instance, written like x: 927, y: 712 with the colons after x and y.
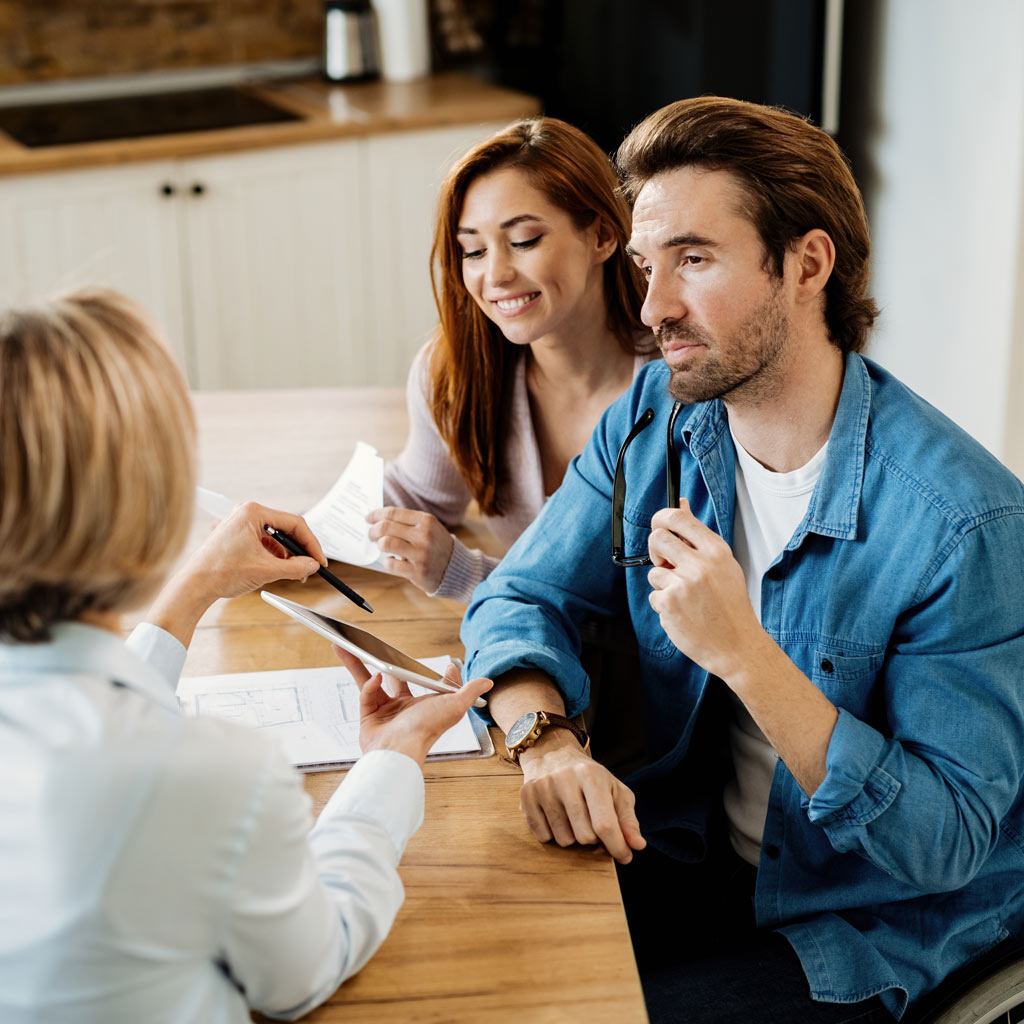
x: 404, y: 39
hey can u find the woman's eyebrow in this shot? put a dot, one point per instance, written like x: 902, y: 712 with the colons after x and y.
x: 504, y: 225
x: 513, y: 221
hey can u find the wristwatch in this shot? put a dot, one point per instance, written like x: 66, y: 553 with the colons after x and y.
x: 526, y: 731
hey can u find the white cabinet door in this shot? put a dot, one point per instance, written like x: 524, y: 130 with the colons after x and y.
x: 275, y: 268
x: 288, y: 267
x: 404, y: 171
x: 111, y: 226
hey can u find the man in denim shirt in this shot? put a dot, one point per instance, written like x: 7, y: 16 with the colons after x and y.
x: 830, y: 629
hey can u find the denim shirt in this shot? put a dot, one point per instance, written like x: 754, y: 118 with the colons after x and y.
x: 900, y: 595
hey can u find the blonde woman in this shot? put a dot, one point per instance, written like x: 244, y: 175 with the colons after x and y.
x: 155, y: 867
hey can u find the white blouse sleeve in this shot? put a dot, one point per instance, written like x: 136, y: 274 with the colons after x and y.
x: 158, y: 649
x: 309, y: 909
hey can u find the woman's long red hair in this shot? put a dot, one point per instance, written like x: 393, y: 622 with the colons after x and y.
x: 472, y: 364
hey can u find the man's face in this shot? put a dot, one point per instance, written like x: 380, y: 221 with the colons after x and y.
x: 720, y: 319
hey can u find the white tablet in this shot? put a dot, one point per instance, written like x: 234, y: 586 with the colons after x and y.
x: 371, y: 650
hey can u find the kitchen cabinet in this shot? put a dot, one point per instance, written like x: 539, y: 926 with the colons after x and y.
x: 109, y: 226
x: 273, y: 266
x: 404, y: 173
x: 299, y: 265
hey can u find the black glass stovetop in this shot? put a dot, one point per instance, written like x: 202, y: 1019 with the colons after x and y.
x: 127, y: 117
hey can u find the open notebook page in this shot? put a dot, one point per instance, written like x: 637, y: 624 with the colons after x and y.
x: 313, y: 713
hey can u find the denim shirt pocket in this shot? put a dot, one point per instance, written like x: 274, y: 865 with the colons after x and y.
x: 651, y: 638
x: 844, y: 674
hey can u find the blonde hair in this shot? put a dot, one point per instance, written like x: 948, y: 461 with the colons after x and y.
x: 97, y: 463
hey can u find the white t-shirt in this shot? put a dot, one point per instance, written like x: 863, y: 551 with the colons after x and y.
x: 769, y: 508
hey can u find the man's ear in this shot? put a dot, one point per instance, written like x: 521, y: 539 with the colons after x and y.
x: 813, y: 256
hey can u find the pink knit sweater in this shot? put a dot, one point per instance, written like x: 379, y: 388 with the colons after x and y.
x: 424, y: 477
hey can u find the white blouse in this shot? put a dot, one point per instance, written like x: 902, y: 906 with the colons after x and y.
x: 156, y: 867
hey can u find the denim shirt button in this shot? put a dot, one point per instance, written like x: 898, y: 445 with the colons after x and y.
x: 827, y: 666
x: 771, y: 851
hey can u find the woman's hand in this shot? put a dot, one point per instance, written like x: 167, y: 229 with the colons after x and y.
x: 415, y: 545
x: 410, y: 725
x: 236, y: 557
x: 239, y: 556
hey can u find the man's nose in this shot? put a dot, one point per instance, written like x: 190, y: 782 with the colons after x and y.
x: 664, y: 301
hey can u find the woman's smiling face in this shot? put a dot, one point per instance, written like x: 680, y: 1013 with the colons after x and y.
x: 525, y: 263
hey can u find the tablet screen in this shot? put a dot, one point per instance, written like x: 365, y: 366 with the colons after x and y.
x: 373, y: 646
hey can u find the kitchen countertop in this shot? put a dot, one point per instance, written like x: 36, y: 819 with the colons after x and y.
x: 328, y: 111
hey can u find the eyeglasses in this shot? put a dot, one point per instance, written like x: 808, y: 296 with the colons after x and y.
x: 619, y: 557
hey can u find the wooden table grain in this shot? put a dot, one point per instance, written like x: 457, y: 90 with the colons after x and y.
x: 495, y: 926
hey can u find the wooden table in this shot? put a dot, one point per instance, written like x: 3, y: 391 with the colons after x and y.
x: 496, y: 926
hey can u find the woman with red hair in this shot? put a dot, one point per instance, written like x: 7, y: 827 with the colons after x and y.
x: 539, y: 332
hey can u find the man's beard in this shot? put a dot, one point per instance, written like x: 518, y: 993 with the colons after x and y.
x: 746, y: 365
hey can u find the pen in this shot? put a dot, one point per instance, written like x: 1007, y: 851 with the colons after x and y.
x: 292, y: 545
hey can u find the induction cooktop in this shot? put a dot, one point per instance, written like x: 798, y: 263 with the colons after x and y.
x: 128, y: 117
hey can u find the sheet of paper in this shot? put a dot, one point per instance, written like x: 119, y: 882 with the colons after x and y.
x: 339, y: 519
x: 312, y: 712
x: 213, y: 503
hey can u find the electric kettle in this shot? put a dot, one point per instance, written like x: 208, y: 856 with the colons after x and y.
x: 350, y: 41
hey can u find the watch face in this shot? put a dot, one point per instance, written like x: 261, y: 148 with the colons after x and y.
x: 521, y: 729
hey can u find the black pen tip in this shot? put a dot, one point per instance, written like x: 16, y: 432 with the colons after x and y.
x: 367, y: 606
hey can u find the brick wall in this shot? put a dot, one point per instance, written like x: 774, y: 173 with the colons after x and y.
x: 42, y: 40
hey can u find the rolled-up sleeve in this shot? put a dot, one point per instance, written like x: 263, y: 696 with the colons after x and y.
x: 856, y: 789
x: 923, y: 799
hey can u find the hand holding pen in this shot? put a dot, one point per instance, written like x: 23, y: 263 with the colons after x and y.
x: 236, y: 557
x: 284, y: 529
x: 295, y: 548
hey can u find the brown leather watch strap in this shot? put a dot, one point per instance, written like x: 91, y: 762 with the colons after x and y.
x: 567, y: 723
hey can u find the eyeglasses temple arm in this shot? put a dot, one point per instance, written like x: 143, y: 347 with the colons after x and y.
x: 672, y: 459
x: 619, y: 485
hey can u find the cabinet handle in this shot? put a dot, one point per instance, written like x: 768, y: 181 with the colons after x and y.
x: 167, y: 189
x: 198, y: 188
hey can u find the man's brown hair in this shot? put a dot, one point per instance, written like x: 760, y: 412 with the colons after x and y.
x: 794, y: 176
